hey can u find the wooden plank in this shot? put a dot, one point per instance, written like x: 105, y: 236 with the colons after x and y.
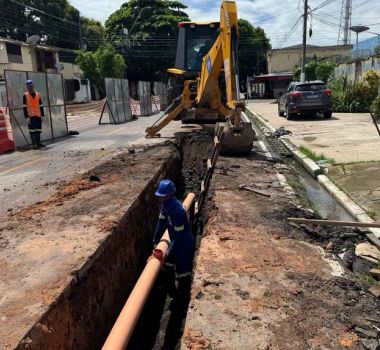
x: 334, y: 222
x: 250, y: 189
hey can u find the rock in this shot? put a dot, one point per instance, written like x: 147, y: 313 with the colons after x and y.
x: 131, y: 151
x: 94, y: 178
x: 375, y: 273
x: 365, y: 332
x: 367, y: 251
x: 330, y: 246
x: 361, y: 265
x: 375, y: 289
x: 370, y: 344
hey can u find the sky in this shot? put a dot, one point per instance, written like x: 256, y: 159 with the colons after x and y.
x: 277, y: 17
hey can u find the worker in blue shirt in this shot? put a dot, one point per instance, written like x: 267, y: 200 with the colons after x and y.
x: 173, y: 217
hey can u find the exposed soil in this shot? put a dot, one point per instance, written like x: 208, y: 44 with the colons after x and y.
x: 54, y: 253
x: 260, y: 283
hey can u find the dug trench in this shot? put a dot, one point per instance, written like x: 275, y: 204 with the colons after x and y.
x: 69, y: 263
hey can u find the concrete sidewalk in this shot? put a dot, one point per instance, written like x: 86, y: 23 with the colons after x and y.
x: 346, y: 137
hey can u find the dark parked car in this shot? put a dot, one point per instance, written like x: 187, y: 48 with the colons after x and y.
x: 310, y: 97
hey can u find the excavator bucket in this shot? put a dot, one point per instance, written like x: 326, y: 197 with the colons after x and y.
x: 238, y: 142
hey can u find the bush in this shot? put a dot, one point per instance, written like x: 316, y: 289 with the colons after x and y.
x: 375, y: 108
x: 354, y: 96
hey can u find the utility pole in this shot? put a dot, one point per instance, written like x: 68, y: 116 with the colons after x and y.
x: 80, y: 32
x: 347, y: 22
x: 304, y: 41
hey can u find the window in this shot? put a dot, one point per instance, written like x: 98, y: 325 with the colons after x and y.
x: 66, y: 56
x: 14, y: 53
x: 49, y: 60
x: 311, y: 87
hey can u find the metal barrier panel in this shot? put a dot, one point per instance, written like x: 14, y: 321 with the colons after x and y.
x: 160, y: 90
x: 145, y: 98
x: 118, y: 101
x: 127, y: 106
x: 50, y: 85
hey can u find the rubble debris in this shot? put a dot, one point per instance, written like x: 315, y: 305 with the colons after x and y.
x: 375, y: 289
x: 250, y: 189
x: 367, y: 251
x: 94, y: 178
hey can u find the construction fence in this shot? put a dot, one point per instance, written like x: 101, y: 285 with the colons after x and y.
x: 127, y: 100
x: 50, y: 85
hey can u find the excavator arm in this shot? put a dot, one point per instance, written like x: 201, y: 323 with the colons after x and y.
x: 208, y: 98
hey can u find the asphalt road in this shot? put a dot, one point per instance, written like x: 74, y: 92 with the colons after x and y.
x: 31, y: 175
x: 346, y: 137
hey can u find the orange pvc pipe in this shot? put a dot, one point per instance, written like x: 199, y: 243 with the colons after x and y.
x: 126, y: 322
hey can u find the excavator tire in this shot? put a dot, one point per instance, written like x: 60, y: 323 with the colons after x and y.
x: 238, y: 143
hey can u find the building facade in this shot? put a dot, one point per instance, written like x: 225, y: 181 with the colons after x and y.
x: 286, y: 59
x: 16, y: 55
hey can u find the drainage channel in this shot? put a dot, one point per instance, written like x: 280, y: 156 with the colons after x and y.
x: 322, y: 201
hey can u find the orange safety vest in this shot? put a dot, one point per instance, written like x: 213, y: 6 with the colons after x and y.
x: 33, y: 104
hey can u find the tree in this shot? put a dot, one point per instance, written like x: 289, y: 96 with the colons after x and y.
x: 252, y: 46
x: 150, y: 44
x: 317, y: 69
x: 92, y: 33
x: 18, y: 21
x: 105, y: 62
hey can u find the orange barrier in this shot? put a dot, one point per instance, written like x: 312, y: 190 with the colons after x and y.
x: 6, y: 137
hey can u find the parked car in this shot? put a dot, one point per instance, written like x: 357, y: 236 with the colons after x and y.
x: 310, y: 97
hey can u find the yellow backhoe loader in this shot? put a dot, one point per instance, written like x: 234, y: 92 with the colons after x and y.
x: 204, y: 85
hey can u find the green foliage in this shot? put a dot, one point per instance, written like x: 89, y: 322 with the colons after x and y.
x: 20, y: 21
x: 316, y: 157
x: 253, y: 45
x: 375, y: 108
x: 354, y: 96
x: 150, y: 45
x: 104, y: 62
x: 317, y: 69
x: 92, y: 33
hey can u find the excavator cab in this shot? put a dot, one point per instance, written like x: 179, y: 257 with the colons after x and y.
x: 194, y: 41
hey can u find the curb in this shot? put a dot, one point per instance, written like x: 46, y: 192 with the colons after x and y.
x: 311, y: 167
x: 314, y: 170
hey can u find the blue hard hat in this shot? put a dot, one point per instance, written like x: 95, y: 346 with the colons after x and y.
x: 165, y: 188
x: 29, y: 83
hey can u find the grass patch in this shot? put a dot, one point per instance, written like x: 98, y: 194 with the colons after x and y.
x: 371, y: 213
x: 316, y: 157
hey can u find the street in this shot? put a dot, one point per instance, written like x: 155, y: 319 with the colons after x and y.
x: 29, y: 176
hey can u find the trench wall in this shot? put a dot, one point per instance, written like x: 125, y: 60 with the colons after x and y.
x: 83, y: 315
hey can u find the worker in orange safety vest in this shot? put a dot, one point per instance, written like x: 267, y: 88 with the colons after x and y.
x: 34, y: 112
